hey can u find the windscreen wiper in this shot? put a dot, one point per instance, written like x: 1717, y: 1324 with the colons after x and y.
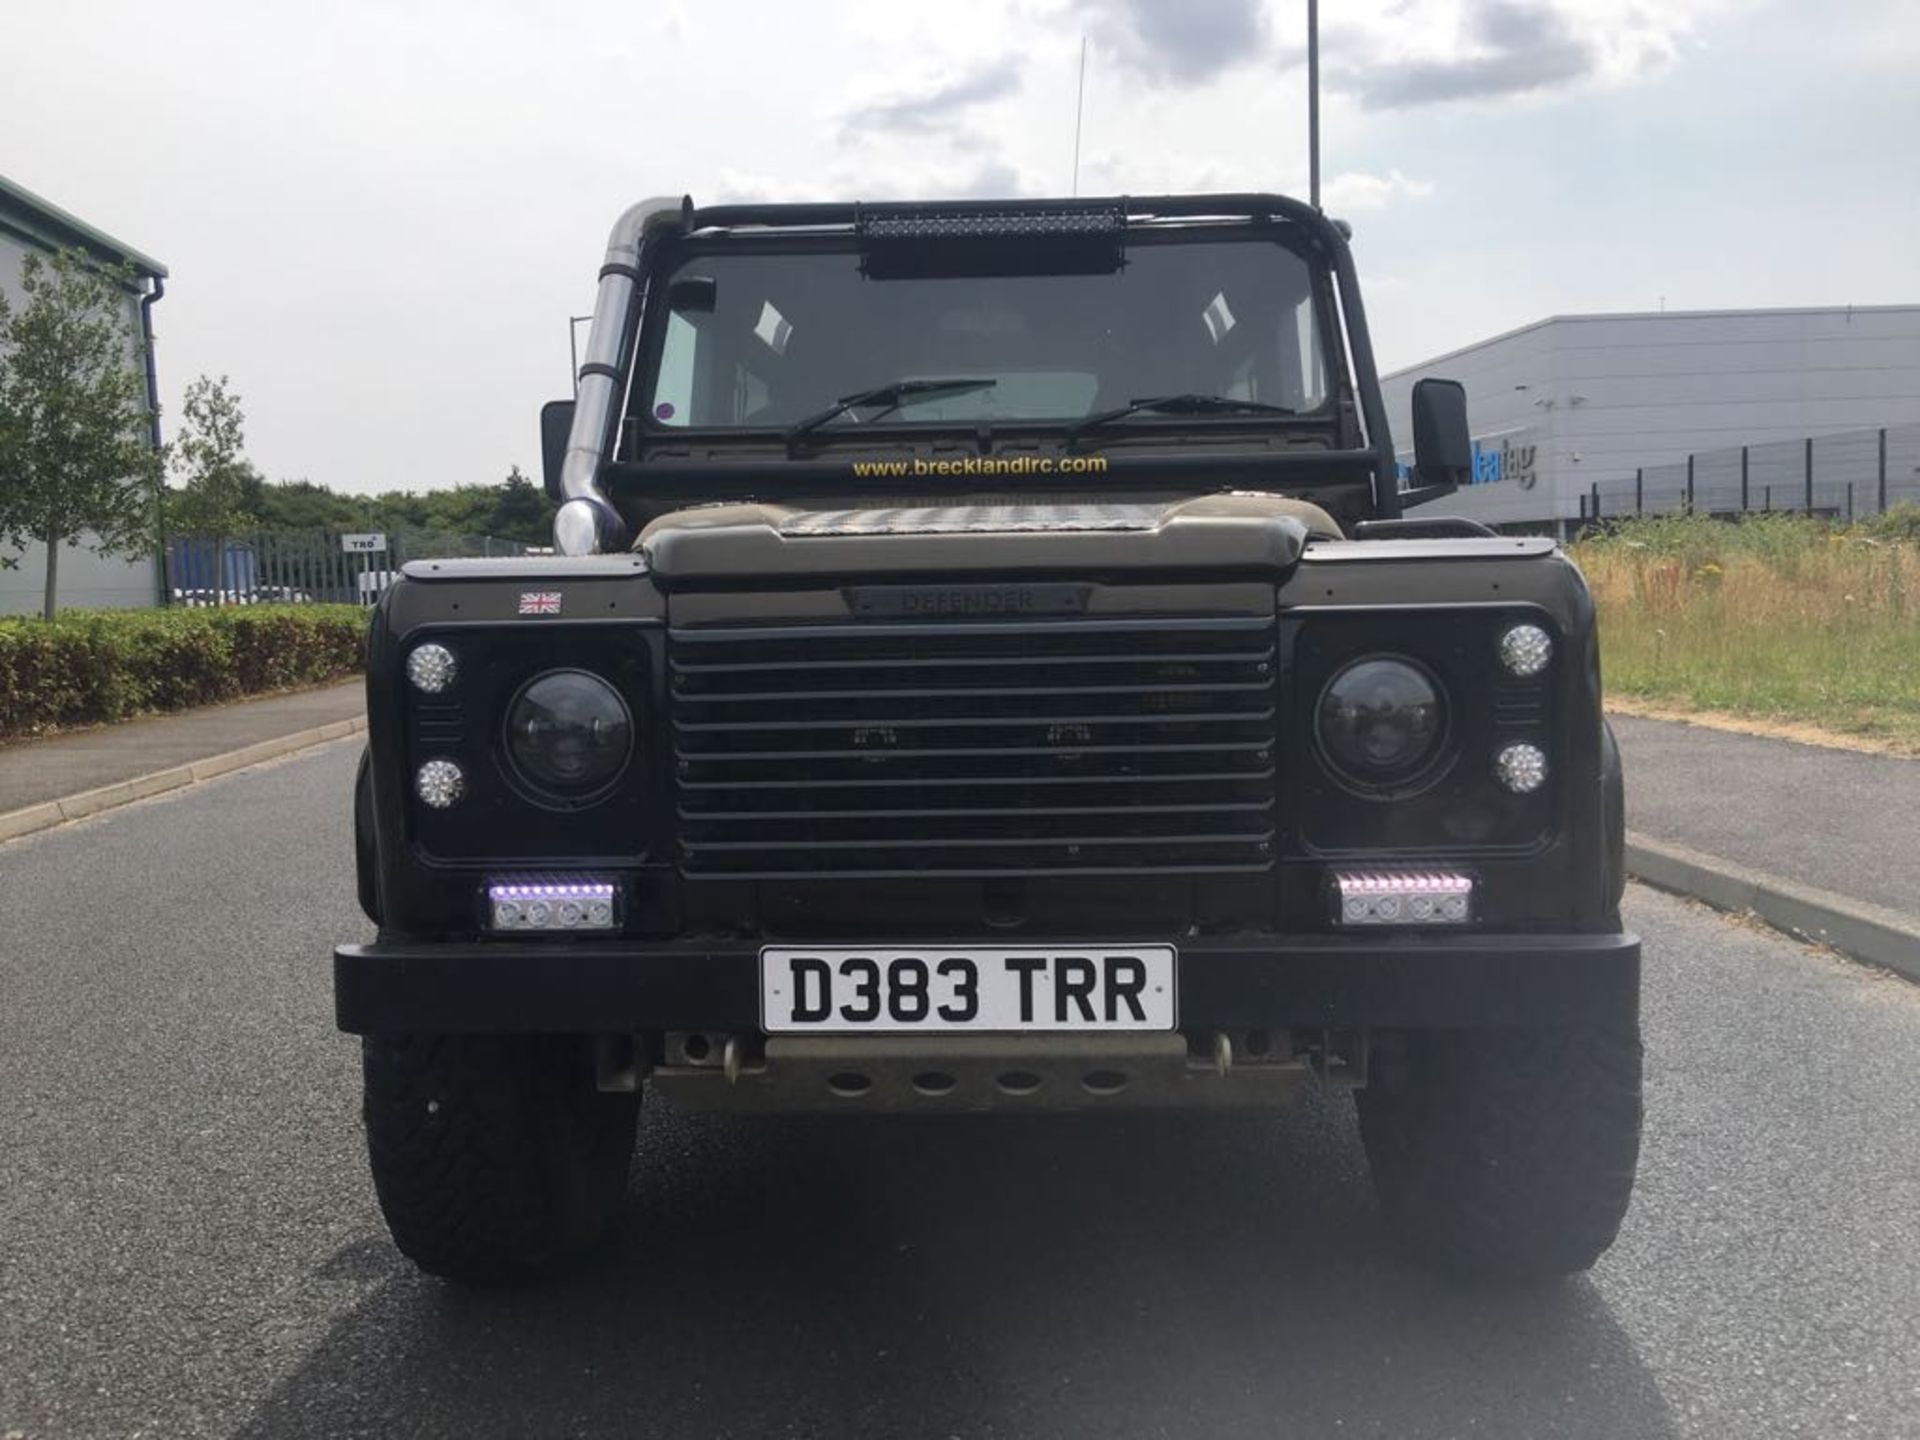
x: 1174, y: 405
x: 888, y: 397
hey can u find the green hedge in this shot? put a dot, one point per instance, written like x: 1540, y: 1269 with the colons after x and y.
x: 90, y: 666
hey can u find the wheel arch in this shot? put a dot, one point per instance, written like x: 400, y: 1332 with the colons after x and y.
x: 366, y: 844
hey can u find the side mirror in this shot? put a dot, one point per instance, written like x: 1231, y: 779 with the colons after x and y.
x: 556, y: 424
x: 1442, y: 448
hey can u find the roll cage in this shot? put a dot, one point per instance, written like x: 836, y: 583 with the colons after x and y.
x: 588, y: 470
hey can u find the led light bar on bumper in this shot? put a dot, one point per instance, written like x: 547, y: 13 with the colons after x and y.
x: 1382, y: 897
x: 527, y: 904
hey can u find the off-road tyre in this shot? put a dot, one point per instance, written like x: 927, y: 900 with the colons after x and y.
x: 494, y: 1156
x: 1505, y: 1154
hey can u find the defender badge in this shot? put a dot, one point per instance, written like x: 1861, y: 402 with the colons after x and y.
x: 540, y: 602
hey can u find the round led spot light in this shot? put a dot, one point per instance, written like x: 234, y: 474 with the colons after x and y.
x: 431, y: 668
x: 1525, y: 650
x: 1521, y: 768
x: 439, y: 783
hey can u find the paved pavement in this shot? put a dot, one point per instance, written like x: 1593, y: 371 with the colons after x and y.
x: 189, y: 1244
x: 1837, y: 819
x: 34, y: 771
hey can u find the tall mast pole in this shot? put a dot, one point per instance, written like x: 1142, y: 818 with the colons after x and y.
x: 1313, y: 102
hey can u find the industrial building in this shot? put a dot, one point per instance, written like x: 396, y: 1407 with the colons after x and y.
x: 30, y: 225
x: 1566, y: 412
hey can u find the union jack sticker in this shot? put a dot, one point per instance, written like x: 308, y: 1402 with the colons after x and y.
x: 539, y: 602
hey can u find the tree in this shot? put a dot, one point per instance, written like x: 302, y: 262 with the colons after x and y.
x: 220, y: 492
x: 522, y: 511
x: 303, y: 505
x: 457, y: 510
x: 516, y: 509
x: 76, y: 454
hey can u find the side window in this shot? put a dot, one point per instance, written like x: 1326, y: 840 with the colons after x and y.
x: 673, y: 387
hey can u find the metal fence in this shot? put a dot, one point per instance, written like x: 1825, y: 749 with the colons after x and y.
x: 306, y: 566
x: 1844, y: 476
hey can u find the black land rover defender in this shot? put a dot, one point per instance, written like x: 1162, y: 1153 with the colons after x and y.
x: 986, y: 667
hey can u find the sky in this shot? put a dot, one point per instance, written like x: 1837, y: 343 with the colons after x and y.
x: 379, y: 217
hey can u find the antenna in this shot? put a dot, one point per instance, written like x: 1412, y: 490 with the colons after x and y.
x: 1079, y: 110
x: 1313, y: 101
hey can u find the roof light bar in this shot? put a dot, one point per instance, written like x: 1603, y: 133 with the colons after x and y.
x: 963, y: 225
x: 530, y: 904
x: 1380, y: 897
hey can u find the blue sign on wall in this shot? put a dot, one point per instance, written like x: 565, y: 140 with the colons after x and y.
x: 1510, y: 458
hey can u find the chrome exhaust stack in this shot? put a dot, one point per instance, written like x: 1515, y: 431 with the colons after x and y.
x: 588, y: 523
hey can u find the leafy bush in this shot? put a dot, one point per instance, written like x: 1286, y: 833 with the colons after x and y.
x: 92, y: 666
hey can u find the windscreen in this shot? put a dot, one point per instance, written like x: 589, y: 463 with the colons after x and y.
x: 764, y: 339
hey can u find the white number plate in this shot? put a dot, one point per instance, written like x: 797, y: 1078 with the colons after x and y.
x: 891, y: 988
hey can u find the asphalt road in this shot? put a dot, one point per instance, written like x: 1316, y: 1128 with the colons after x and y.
x: 189, y: 1244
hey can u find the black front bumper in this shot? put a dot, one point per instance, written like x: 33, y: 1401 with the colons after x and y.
x: 1386, y: 980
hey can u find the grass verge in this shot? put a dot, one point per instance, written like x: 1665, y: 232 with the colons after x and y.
x: 1776, y: 617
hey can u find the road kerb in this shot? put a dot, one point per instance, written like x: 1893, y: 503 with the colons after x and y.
x: 49, y: 813
x: 159, y: 782
x: 1865, y: 931
x: 16, y: 823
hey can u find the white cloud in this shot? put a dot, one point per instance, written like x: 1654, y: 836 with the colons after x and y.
x: 931, y: 102
x: 744, y: 187
x: 883, y: 174
x: 1165, y: 170
x: 1354, y: 190
x: 1187, y: 43
x: 672, y: 19
x: 1423, y: 52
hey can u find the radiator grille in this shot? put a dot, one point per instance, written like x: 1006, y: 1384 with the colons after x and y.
x: 996, y: 748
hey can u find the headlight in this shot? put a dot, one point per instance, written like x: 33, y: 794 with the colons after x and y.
x: 568, y: 735
x: 1381, y: 720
